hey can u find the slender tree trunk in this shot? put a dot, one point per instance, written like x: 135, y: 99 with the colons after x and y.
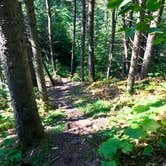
x: 149, y: 44
x: 13, y: 50
x: 125, y: 44
x: 36, y: 50
x: 53, y: 60
x: 135, y: 51
x: 105, y: 11
x: 83, y: 30
x: 74, y: 37
x: 30, y: 60
x: 29, y: 47
x: 49, y: 75
x: 91, y: 66
x: 112, y: 42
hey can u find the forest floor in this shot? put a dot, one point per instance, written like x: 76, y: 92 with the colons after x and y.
x: 73, y: 143
x: 91, y: 112
x: 94, y: 124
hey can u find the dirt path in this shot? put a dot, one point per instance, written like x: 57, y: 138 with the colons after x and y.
x: 74, y: 147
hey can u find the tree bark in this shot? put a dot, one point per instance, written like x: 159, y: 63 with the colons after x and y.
x: 135, y: 51
x: 91, y: 66
x: 48, y: 73
x: 105, y: 11
x: 130, y: 18
x: 36, y: 50
x: 2, y: 80
x: 50, y: 38
x: 83, y: 30
x: 149, y: 44
x: 125, y: 44
x: 13, y: 50
x: 112, y: 42
x: 30, y: 60
x: 74, y: 37
x: 29, y: 47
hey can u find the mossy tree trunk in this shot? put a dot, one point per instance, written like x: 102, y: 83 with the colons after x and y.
x: 13, y: 50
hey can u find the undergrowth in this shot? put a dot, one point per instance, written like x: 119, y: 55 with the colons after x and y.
x: 137, y: 126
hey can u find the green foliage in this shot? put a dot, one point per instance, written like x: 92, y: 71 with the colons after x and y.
x: 4, y: 98
x: 114, y: 3
x: 135, y: 125
x: 135, y: 133
x: 62, y: 28
x: 148, y: 151
x: 6, y: 112
x: 162, y: 142
x: 52, y: 117
x: 153, y: 5
x: 9, y: 153
x: 41, y: 152
x: 109, y: 163
x: 107, y: 152
x: 150, y: 125
x: 97, y: 108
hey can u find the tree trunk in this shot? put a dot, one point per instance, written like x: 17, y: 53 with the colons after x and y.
x: 91, y: 66
x: 112, y: 42
x: 74, y: 37
x: 2, y: 80
x: 125, y: 44
x: 135, y: 51
x: 36, y: 50
x: 48, y: 73
x: 30, y: 53
x: 105, y: 11
x: 130, y: 17
x: 83, y: 30
x: 149, y: 44
x: 30, y: 60
x: 13, y: 50
x: 53, y: 60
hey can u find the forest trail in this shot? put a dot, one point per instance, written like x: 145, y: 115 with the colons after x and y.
x: 61, y: 96
x: 73, y: 144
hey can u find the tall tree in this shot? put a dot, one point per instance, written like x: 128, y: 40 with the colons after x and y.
x: 83, y: 30
x: 135, y: 49
x: 13, y: 51
x: 30, y: 60
x: 29, y: 47
x: 112, y: 42
x: 36, y: 49
x: 74, y: 37
x: 91, y: 66
x: 151, y: 37
x: 50, y: 36
x: 126, y: 47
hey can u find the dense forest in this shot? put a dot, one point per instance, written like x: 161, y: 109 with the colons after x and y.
x: 82, y: 83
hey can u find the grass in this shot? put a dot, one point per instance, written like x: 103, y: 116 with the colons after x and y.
x: 97, y: 108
